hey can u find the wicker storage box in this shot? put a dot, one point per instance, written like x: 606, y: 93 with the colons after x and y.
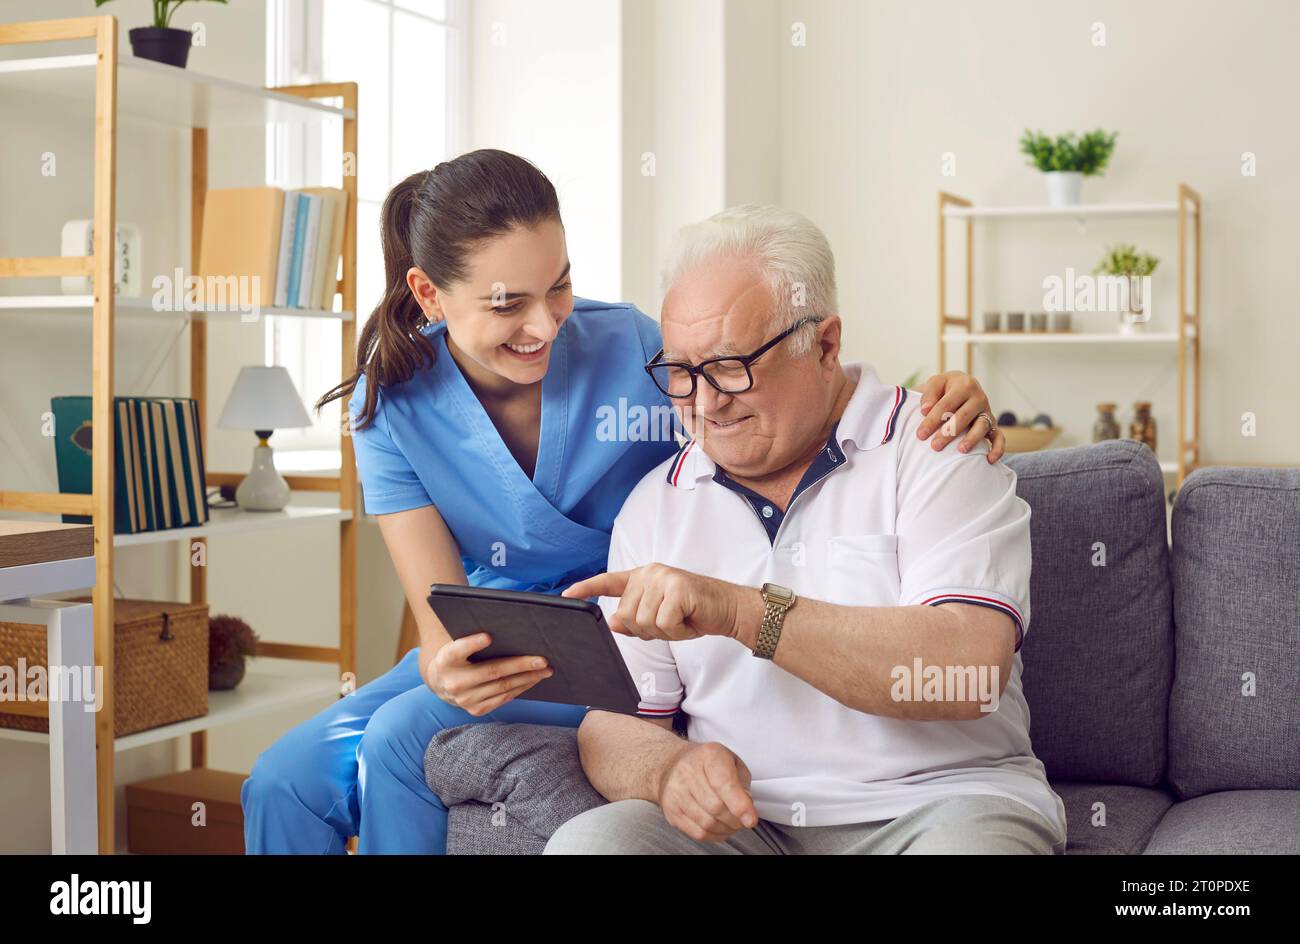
x: 1029, y: 438
x: 160, y: 664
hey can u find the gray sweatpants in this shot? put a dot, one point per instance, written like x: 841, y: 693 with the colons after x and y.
x: 971, y: 824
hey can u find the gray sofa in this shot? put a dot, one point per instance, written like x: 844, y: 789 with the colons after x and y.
x: 1164, y: 685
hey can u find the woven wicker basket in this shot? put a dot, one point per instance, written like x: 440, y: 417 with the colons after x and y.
x: 160, y: 664
x: 1029, y: 438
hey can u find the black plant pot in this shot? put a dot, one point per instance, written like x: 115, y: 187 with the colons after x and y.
x: 161, y: 44
x: 222, y: 678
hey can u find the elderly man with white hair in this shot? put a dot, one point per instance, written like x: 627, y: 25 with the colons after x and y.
x: 837, y: 608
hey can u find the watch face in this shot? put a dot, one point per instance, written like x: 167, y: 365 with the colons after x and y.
x: 777, y: 592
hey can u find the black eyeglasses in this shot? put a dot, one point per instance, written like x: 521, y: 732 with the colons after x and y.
x: 729, y: 374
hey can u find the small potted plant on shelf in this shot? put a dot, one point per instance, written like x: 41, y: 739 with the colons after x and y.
x: 161, y: 42
x: 1125, y: 262
x: 1067, y: 160
x: 230, y: 641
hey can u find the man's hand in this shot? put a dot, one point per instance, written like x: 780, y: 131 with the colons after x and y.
x: 704, y: 792
x: 661, y: 602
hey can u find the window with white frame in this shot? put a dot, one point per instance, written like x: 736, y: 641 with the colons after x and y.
x: 406, y: 57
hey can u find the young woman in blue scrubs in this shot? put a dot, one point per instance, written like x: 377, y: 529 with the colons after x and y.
x: 499, y: 423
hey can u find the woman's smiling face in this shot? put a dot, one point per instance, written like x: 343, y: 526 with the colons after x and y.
x: 504, y: 315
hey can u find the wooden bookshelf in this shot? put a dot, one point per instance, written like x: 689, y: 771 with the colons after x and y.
x: 118, y: 88
x: 959, y: 329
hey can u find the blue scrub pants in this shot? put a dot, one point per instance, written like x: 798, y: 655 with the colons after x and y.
x: 357, y: 769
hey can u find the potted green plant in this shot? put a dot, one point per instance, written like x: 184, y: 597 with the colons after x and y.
x: 1067, y: 159
x: 1124, y: 261
x: 161, y: 42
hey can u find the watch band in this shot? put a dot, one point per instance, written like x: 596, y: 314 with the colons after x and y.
x: 776, y: 601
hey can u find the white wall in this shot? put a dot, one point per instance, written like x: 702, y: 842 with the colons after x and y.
x: 883, y: 89
x: 754, y: 36
x: 544, y: 84
x: 684, y: 132
x: 647, y: 115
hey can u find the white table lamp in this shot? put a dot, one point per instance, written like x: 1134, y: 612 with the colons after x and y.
x: 263, y: 399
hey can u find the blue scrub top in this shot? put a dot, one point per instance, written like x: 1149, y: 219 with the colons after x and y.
x: 604, y: 425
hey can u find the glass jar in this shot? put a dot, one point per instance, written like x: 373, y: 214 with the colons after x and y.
x: 1105, y: 427
x: 1143, y: 427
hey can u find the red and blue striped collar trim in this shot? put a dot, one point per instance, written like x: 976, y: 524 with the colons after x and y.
x: 679, y: 460
x: 874, y: 412
x: 900, y: 397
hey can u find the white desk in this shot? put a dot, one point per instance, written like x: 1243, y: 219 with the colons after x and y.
x: 70, y: 636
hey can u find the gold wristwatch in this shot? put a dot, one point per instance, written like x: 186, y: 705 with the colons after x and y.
x: 776, y: 600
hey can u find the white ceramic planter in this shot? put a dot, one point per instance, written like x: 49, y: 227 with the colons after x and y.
x: 1129, y: 325
x: 1135, y: 320
x: 1063, y: 187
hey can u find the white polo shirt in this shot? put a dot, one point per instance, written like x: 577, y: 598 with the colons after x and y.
x: 880, y: 519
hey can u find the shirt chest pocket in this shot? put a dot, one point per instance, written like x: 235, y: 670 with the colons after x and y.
x: 862, y: 569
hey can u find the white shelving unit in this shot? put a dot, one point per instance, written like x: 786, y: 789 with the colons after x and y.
x: 152, y: 91
x: 1046, y: 337
x: 263, y: 691
x: 958, y: 329
x: 36, y: 559
x: 237, y: 521
x: 113, y: 93
x: 141, y: 307
x: 1080, y: 211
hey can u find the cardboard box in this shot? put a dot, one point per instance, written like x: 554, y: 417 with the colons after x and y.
x: 162, y: 819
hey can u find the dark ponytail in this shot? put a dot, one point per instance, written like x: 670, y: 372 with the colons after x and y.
x: 433, y: 220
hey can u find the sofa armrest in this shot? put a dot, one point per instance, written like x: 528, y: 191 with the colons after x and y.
x: 518, y: 783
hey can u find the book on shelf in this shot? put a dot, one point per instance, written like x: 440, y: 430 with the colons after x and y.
x: 241, y: 228
x: 296, y: 250
x: 302, y: 290
x: 157, y: 463
x: 288, y: 227
x: 290, y: 240
x: 152, y: 522
x: 329, y: 246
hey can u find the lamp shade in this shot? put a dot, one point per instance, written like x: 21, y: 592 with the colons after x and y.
x: 264, y: 398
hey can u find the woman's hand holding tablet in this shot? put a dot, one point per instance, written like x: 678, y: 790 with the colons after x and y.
x: 510, y: 629
x: 482, y: 687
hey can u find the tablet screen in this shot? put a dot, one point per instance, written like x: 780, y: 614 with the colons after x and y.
x: 570, y: 634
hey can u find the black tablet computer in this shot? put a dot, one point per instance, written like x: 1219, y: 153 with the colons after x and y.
x: 570, y: 634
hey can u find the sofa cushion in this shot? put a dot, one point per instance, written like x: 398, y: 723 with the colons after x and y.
x: 507, y: 787
x: 1235, y: 822
x: 1110, y: 819
x: 1098, y: 656
x: 475, y: 828
x: 1234, y: 714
